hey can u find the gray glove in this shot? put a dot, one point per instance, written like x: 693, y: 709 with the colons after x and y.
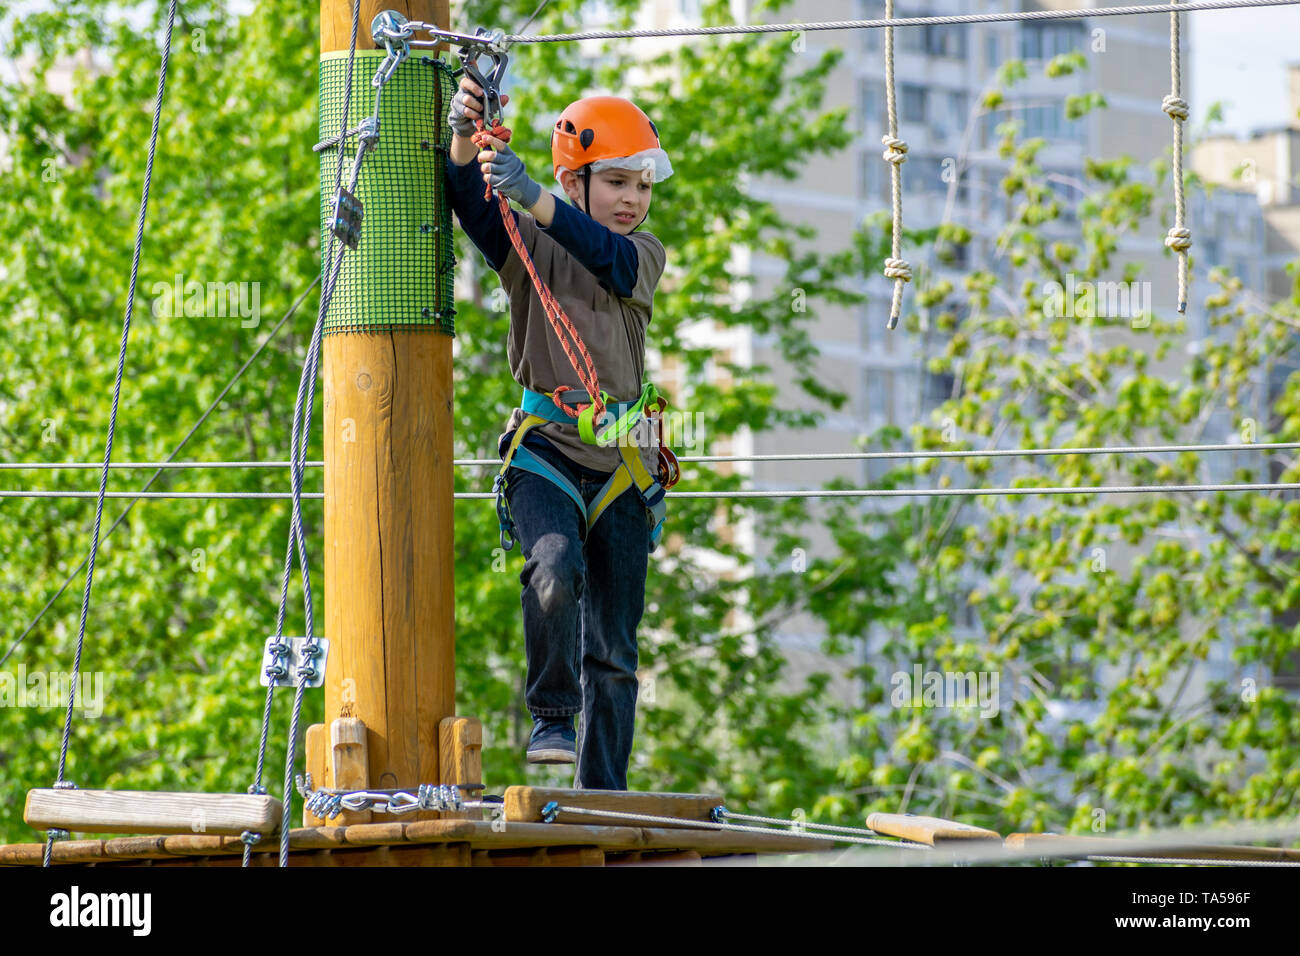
x: 508, y: 177
x: 461, y: 124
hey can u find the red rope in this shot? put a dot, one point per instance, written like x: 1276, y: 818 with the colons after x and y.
x: 564, y: 330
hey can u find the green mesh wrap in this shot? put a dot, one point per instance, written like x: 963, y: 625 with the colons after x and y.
x: 400, y: 276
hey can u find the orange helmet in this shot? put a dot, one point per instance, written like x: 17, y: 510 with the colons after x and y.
x: 607, y: 132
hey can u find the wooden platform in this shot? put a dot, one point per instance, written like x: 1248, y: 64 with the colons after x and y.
x: 430, y: 843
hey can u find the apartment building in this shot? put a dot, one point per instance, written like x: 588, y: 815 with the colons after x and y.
x: 941, y: 72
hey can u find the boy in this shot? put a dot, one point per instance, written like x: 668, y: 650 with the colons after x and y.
x: 583, y: 589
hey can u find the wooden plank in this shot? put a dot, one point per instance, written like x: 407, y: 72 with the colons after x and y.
x: 480, y: 835
x: 349, y: 757
x: 730, y: 841
x: 929, y: 830
x: 372, y: 834
x: 460, y: 746
x: 140, y: 811
x: 1106, y: 846
x: 477, y: 836
x: 519, y: 835
x: 22, y: 854
x: 549, y: 856
x: 521, y: 857
x: 308, y: 838
x: 190, y: 845
x: 75, y: 851
x: 524, y: 805
x: 314, y: 744
x: 136, y: 848
x: 668, y: 858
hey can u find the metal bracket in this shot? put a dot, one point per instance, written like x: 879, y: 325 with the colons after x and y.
x: 291, y: 658
x: 348, y: 213
x: 389, y: 26
x: 388, y: 30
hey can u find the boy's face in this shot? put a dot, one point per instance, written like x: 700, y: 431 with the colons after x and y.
x: 619, y: 197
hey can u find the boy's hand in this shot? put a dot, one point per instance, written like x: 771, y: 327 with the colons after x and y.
x: 503, y: 169
x: 467, y: 106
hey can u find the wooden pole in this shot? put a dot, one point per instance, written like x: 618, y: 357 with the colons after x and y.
x: 388, y: 512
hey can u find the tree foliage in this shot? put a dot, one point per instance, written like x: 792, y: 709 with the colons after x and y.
x: 185, y: 592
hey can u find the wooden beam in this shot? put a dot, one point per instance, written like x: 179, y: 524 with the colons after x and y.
x: 349, y: 766
x: 668, y: 858
x: 477, y: 836
x: 139, y: 811
x: 460, y: 746
x: 929, y: 830
x: 1106, y: 846
x: 524, y: 805
x: 314, y: 745
x: 388, y: 509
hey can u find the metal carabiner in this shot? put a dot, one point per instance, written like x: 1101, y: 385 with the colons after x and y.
x: 493, y: 111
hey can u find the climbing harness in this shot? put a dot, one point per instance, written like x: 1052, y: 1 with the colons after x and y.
x: 541, y: 407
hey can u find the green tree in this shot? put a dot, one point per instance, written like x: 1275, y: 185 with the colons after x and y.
x: 186, y: 592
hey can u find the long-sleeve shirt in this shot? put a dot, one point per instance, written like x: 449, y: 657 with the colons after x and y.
x: 605, y: 283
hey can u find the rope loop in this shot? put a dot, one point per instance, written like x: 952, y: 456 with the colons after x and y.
x: 1179, y: 239
x: 895, y: 149
x: 898, y: 269
x: 1176, y: 107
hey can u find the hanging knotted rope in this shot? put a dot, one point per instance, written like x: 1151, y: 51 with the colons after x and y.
x: 569, y: 338
x: 895, y: 154
x: 1179, y: 237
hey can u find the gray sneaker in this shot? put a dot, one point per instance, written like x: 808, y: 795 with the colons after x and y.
x: 553, y: 741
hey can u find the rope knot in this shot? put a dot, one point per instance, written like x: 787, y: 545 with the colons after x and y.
x: 895, y: 149
x: 1175, y: 106
x: 1179, y: 239
x: 898, y: 269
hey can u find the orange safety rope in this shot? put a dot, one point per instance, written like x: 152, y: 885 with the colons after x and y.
x: 586, y: 369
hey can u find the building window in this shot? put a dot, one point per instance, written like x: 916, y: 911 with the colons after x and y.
x: 938, y: 389
x: 880, y: 394
x: 1049, y: 122
x: 1044, y: 39
x: 958, y: 109
x: 948, y: 40
x: 913, y: 103
x: 908, y: 39
x: 873, y: 39
x: 925, y: 174
x: 871, y: 102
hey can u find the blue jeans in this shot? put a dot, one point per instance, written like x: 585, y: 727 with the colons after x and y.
x: 583, y: 597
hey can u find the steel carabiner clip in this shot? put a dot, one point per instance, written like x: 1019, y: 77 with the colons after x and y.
x: 490, y: 83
